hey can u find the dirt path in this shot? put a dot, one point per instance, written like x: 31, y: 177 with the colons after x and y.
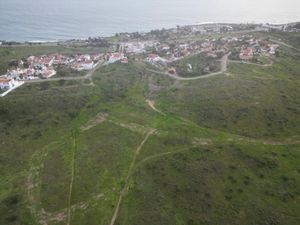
x: 131, y: 126
x: 151, y: 103
x: 99, y: 118
x: 123, y: 191
x: 224, y: 62
x: 282, y: 142
x: 33, y: 186
x: 159, y: 156
x: 72, y: 179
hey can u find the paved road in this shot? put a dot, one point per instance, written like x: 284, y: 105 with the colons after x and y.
x: 224, y: 62
x: 285, y: 44
x: 249, y: 63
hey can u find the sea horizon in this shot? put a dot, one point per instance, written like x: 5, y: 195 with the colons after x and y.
x: 140, y: 31
x: 48, y: 21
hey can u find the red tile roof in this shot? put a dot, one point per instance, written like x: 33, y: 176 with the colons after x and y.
x: 4, y: 81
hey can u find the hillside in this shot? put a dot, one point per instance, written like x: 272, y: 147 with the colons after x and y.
x: 128, y: 146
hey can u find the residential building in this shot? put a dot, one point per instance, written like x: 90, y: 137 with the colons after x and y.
x: 6, y: 84
x: 246, y: 54
x: 114, y: 57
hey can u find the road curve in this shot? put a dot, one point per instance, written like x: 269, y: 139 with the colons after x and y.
x: 224, y: 62
x: 284, y: 44
x: 249, y: 63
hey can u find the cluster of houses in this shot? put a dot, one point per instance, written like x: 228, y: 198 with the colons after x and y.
x: 173, y: 52
x: 137, y: 47
x: 116, y: 57
x: 204, y: 28
x: 255, y: 47
x: 85, y: 61
x: 156, y: 60
x: 159, y: 54
x: 36, y: 67
x: 248, y: 47
x: 7, y: 85
x: 43, y: 67
x: 167, y: 53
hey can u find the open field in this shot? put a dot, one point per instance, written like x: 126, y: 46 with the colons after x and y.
x: 142, y: 148
x: 200, y: 65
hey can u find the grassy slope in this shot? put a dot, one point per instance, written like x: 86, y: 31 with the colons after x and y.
x: 176, y: 180
x: 292, y: 38
x: 228, y: 184
x: 199, y: 63
x: 252, y: 101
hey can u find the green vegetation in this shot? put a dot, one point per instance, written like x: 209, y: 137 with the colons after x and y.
x: 225, y: 149
x: 196, y: 65
x: 216, y: 185
x: 251, y: 101
x: 292, y: 38
x: 63, y: 71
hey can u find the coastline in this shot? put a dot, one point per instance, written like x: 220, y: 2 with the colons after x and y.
x: 61, y: 41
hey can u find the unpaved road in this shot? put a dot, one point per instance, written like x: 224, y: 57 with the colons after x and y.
x: 72, y: 180
x: 123, y: 191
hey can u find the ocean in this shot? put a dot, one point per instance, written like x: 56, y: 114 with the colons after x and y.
x: 52, y: 20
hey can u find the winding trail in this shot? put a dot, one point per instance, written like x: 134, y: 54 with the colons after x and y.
x: 160, y: 155
x: 33, y: 185
x: 72, y: 179
x: 284, y: 142
x: 224, y: 66
x: 123, y: 191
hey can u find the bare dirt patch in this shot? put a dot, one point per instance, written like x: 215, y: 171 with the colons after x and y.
x: 151, y: 103
x: 99, y: 118
x: 131, y: 126
x: 284, y: 142
x: 202, y: 141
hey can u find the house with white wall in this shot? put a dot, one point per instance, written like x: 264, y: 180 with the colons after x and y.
x: 6, y: 84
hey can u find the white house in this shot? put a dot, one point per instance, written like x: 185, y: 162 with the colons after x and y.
x: 114, y: 57
x: 6, y: 84
x: 156, y: 59
x: 273, y: 49
x: 87, y: 65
